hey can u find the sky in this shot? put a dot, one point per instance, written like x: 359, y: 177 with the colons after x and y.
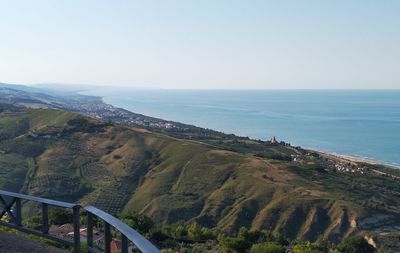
x: 202, y: 44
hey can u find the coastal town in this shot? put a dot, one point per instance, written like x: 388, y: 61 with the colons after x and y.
x: 88, y: 105
x: 106, y: 112
x: 95, y: 107
x: 331, y: 163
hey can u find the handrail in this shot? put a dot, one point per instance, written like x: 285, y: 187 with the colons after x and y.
x: 37, y: 199
x: 14, y: 211
x: 127, y: 232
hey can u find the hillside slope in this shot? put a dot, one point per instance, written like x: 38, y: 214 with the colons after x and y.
x: 71, y: 157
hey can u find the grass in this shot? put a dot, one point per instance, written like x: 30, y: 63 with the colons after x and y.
x: 13, y: 170
x: 118, y: 169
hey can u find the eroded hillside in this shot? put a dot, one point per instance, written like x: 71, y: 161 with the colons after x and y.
x: 70, y: 157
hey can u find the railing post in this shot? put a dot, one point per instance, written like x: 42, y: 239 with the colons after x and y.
x: 45, y: 218
x: 124, y: 244
x: 128, y: 234
x: 89, y: 229
x: 18, y: 211
x: 107, y: 237
x: 77, y: 234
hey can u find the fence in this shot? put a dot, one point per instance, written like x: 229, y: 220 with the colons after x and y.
x: 11, y: 204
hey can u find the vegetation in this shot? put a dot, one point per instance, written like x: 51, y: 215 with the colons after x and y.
x: 267, y: 247
x: 182, y: 237
x: 356, y: 245
x: 308, y: 247
x: 197, y: 193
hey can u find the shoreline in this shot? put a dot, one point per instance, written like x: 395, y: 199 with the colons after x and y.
x: 332, y: 154
x: 355, y: 159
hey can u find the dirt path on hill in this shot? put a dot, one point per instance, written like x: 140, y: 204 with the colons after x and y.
x: 19, y: 243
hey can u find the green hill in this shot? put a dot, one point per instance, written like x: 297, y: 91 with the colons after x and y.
x: 67, y: 156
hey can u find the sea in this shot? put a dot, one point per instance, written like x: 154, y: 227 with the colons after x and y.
x: 360, y: 123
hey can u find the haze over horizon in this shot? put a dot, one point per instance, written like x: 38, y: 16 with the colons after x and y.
x: 202, y: 44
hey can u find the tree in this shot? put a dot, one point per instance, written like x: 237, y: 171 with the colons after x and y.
x: 34, y: 222
x: 139, y: 222
x: 59, y: 216
x: 177, y: 230
x: 306, y: 248
x: 194, y: 232
x: 235, y: 244
x: 267, y: 247
x: 356, y: 244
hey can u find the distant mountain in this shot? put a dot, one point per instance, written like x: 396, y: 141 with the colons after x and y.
x: 31, y: 97
x: 35, y: 97
x: 21, y: 87
x: 67, y: 156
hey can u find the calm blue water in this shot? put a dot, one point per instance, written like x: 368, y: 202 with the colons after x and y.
x: 358, y: 123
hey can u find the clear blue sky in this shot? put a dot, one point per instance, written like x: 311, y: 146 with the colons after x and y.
x: 202, y: 44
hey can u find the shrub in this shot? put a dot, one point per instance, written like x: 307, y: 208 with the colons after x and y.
x: 306, y: 248
x: 356, y: 245
x: 139, y: 222
x: 267, y: 247
x: 59, y: 216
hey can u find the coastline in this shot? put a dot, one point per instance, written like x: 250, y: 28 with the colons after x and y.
x: 355, y: 159
x: 352, y: 158
x: 331, y: 154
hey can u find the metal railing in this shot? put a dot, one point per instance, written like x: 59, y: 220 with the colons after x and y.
x: 127, y: 233
x: 11, y: 205
x: 15, y: 216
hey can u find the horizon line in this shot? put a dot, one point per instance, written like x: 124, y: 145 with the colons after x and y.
x: 88, y: 85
